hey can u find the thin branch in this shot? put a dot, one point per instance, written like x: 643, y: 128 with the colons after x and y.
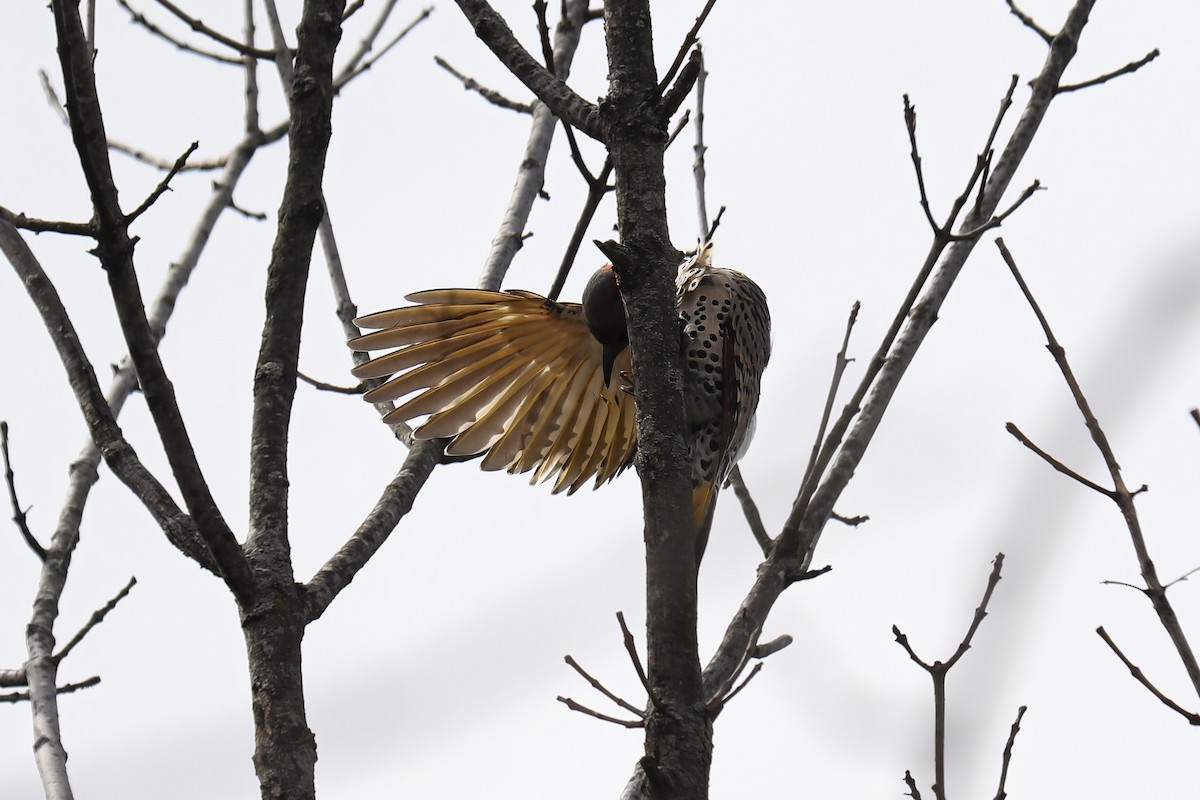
x: 367, y: 43
x: 688, y: 41
x: 1192, y: 717
x: 911, y: 783
x: 233, y: 44
x: 549, y: 88
x: 204, y: 165
x: 163, y: 185
x: 18, y: 513
x: 631, y: 649
x: 1120, y: 493
x: 97, y: 617
x: 598, y: 686
x: 491, y: 95
x: 910, y: 124
x: 624, y: 723
x: 1054, y: 462
x: 138, y: 18
x: 1028, y: 22
x: 331, y: 387
x: 395, y: 501
x: 841, y: 361
x: 938, y: 671
x: 348, y: 76
x: 114, y: 249
x: 1132, y: 66
x: 598, y: 187
x: 866, y: 409
x: 20, y: 697
x: 543, y: 28
x: 47, y: 226
x: 750, y: 510
x: 699, y: 172
x: 1001, y: 793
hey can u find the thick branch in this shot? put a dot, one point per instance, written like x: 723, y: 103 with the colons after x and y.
x: 551, y: 90
x: 115, y: 251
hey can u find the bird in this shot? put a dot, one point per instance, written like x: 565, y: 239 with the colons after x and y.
x: 536, y: 385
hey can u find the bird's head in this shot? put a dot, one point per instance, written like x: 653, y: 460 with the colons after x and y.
x: 604, y: 312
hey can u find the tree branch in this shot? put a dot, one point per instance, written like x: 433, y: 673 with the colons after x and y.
x: 564, y: 103
x: 115, y: 251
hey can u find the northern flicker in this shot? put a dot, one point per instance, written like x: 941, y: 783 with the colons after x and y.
x: 537, y: 385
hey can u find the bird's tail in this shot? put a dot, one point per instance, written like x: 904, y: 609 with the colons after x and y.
x: 704, y: 503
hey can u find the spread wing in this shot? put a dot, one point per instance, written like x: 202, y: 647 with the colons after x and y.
x: 511, y: 375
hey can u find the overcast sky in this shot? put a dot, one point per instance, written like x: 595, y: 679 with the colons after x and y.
x: 435, y: 674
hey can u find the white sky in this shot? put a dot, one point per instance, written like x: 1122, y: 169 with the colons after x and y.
x: 435, y: 674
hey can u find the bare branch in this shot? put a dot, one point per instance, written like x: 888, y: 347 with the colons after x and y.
x: 20, y: 697
x: 1192, y: 717
x: 139, y: 18
x: 491, y: 95
x: 199, y: 27
x: 624, y: 723
x: 47, y: 226
x: 1028, y: 22
x: 163, y: 185
x: 97, y: 617
x: 1054, y: 462
x: 114, y: 248
x: 331, y: 387
x: 18, y: 513
x: 348, y: 76
x: 1132, y: 66
x: 598, y: 686
x: 631, y: 649
x: 753, y: 518
x: 1001, y: 793
x: 396, y: 501
x: 688, y: 41
x: 938, y: 671
x: 1120, y: 493
x: 549, y: 88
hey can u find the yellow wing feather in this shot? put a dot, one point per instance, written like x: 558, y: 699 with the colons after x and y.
x: 510, y: 375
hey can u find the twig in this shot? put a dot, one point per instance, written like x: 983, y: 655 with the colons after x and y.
x: 543, y: 28
x: 624, y: 723
x: 97, y: 617
x: 344, y: 79
x: 910, y: 124
x: 1183, y: 577
x: 595, y: 684
x: 367, y: 42
x: 199, y: 27
x: 911, y: 783
x: 1054, y: 462
x: 750, y: 510
x: 139, y: 18
x: 18, y: 513
x: 491, y: 95
x: 1192, y: 717
x: 841, y: 361
x: 598, y: 187
x: 725, y: 700
x: 1120, y: 493
x: 331, y: 387
x: 19, y: 697
x: 938, y: 671
x: 1001, y: 793
x: 631, y: 649
x: 688, y: 41
x: 550, y: 88
x: 1195, y: 413
x: 699, y: 173
x: 1028, y: 22
x: 163, y: 185
x: 1132, y: 66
